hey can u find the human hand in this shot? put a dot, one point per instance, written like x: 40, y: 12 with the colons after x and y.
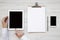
x: 4, y: 22
x: 19, y: 34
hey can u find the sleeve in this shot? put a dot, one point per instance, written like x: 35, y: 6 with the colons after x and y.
x: 24, y: 37
x: 4, y: 34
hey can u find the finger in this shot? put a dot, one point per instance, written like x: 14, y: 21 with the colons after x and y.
x: 4, y: 19
x: 16, y: 30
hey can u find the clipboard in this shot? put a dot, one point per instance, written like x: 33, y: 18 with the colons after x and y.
x: 36, y: 19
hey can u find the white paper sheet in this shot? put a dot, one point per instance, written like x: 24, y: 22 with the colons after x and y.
x: 36, y: 19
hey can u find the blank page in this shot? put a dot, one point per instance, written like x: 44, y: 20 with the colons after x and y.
x: 36, y: 19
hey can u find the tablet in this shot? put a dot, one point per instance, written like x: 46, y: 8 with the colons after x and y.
x: 16, y: 19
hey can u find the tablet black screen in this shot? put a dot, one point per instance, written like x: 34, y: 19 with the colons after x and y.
x: 15, y: 19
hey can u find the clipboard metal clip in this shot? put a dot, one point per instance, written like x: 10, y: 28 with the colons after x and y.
x: 36, y: 5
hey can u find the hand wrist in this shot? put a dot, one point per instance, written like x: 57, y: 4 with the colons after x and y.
x: 4, y: 26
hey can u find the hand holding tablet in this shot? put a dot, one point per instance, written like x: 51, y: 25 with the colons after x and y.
x: 19, y: 33
x: 4, y: 22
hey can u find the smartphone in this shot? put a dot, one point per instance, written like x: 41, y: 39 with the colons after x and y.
x: 53, y: 20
